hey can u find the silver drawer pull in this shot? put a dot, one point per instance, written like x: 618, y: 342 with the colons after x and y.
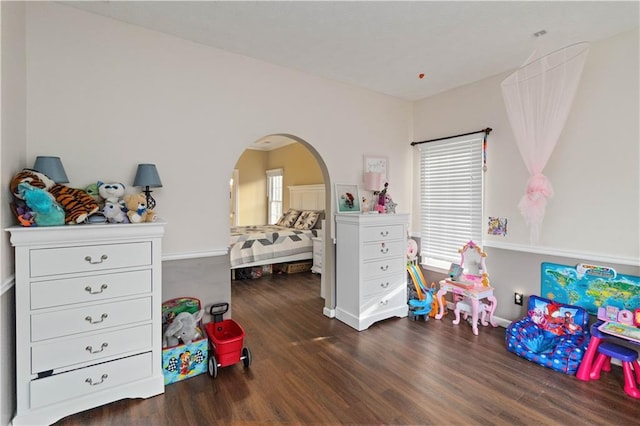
x: 384, y: 250
x: 384, y: 233
x: 384, y: 285
x: 384, y: 268
x: 384, y: 302
x: 88, y: 289
x: 102, y: 379
x: 102, y: 259
x: 89, y: 319
x: 90, y: 348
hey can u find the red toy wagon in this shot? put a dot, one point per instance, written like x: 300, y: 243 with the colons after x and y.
x: 226, y: 338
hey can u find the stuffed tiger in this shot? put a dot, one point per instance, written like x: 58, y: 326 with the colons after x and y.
x: 77, y: 204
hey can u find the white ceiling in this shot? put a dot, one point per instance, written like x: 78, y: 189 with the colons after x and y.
x: 382, y: 45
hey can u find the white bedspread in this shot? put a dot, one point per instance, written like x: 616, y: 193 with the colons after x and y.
x: 265, y: 242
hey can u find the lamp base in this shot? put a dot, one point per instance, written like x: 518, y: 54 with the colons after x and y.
x: 151, y: 202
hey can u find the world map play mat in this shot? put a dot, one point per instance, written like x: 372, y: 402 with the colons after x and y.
x: 589, y: 286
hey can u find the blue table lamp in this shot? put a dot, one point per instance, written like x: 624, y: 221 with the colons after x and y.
x: 147, y: 176
x: 52, y: 167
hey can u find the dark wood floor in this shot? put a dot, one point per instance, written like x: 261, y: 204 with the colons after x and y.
x: 309, y: 369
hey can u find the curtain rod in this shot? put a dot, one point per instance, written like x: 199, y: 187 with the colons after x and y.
x: 487, y: 131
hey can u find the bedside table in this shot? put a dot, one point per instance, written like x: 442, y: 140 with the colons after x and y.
x: 317, y: 255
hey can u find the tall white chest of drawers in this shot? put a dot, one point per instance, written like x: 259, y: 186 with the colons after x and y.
x: 371, y: 278
x: 88, y: 317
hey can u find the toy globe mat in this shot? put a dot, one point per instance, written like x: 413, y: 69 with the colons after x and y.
x: 589, y: 286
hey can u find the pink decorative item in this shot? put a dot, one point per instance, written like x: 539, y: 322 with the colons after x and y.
x: 538, y: 98
x: 533, y: 204
x: 382, y: 199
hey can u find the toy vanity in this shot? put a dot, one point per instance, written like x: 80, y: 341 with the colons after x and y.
x: 469, y: 285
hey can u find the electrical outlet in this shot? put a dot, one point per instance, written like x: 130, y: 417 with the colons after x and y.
x: 518, y: 298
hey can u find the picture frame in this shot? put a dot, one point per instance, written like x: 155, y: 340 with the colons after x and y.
x: 377, y: 164
x: 348, y: 198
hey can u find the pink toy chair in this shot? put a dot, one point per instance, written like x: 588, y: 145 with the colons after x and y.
x: 463, y: 306
x: 629, y: 359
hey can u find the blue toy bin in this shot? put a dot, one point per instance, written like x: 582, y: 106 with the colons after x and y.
x: 183, y: 361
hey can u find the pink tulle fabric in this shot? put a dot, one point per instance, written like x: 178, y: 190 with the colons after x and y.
x: 538, y: 98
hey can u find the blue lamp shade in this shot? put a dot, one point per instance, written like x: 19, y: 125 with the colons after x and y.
x: 52, y: 167
x: 147, y: 175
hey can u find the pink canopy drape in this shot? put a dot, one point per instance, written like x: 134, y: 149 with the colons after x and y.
x: 538, y: 97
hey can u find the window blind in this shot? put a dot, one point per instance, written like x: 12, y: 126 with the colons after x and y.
x: 451, y: 197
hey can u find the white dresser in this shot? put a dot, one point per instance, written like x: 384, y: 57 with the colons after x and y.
x: 88, y: 317
x: 371, y: 278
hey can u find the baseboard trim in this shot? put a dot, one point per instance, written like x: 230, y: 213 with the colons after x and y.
x: 224, y: 251
x: 329, y: 312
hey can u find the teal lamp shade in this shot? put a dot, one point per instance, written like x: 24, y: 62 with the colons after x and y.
x: 147, y: 176
x: 52, y: 167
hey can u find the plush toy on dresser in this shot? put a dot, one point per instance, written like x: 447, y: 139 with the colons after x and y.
x: 92, y: 190
x: 112, y: 192
x: 137, y: 210
x: 44, y: 208
x: 115, y: 213
x: 77, y: 204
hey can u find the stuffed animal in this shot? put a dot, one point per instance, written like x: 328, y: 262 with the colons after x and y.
x: 114, y: 213
x: 77, y: 204
x: 184, y: 327
x: 112, y: 192
x: 23, y: 213
x: 44, y: 208
x: 137, y: 211
x: 382, y: 198
x: 92, y: 190
x: 389, y: 205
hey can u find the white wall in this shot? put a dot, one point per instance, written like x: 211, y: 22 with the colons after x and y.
x: 105, y: 95
x: 594, y: 170
x: 12, y: 150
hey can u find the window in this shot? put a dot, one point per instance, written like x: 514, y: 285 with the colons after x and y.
x: 274, y: 195
x: 451, y: 195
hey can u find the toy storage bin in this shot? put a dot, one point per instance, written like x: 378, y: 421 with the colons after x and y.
x: 183, y: 361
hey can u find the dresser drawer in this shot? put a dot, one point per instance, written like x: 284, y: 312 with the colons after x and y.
x: 84, y: 381
x: 382, y: 284
x: 376, y: 268
x: 67, y: 260
x: 380, y: 250
x: 383, y: 233
x: 385, y: 301
x: 89, y: 318
x: 63, y: 353
x: 45, y: 294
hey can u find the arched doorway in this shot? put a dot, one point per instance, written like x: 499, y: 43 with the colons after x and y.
x: 302, y: 165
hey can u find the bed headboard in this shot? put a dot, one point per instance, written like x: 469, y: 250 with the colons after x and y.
x: 306, y: 197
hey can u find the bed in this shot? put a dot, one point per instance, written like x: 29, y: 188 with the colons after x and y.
x: 291, y: 240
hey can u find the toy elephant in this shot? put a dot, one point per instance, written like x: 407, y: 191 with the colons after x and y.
x: 184, y: 328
